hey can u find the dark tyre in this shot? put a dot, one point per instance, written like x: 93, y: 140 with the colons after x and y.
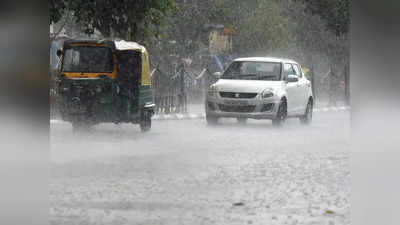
x: 242, y: 120
x: 281, y: 115
x: 145, y: 122
x: 211, y: 120
x: 306, y: 119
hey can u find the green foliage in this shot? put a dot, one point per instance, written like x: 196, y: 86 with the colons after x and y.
x: 57, y: 9
x: 262, y: 27
x: 128, y: 19
x: 300, y: 28
x: 336, y: 13
x: 187, y: 25
x: 260, y: 21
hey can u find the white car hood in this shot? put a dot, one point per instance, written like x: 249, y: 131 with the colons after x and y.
x: 246, y: 86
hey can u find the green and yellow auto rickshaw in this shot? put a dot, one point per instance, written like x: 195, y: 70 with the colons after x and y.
x: 105, y: 81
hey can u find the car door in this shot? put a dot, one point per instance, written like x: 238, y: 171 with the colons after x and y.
x: 291, y: 90
x: 303, y: 85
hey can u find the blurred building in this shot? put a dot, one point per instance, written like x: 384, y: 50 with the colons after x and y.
x: 220, y: 38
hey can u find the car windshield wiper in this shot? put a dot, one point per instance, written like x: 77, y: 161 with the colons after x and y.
x: 248, y: 75
x: 242, y: 76
x: 266, y: 77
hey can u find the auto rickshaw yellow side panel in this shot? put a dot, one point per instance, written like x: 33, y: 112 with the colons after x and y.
x: 89, y: 75
x: 146, y: 79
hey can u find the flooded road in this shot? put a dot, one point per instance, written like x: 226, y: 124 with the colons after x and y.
x: 185, y: 172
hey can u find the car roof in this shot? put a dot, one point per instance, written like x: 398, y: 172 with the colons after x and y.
x: 265, y: 59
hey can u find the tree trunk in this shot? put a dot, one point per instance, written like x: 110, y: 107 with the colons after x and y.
x: 133, y: 32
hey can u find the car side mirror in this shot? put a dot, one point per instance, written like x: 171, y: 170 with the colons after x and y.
x: 292, y: 78
x: 59, y: 53
x: 217, y: 75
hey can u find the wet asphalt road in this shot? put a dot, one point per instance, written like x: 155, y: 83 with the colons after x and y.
x: 185, y: 172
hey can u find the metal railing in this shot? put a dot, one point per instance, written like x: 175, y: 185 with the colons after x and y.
x: 330, y: 86
x: 169, y: 91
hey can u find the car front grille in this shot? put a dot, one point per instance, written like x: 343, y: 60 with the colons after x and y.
x: 239, y: 109
x: 237, y: 95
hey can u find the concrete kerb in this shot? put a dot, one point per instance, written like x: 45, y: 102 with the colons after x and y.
x: 187, y: 116
x: 190, y: 116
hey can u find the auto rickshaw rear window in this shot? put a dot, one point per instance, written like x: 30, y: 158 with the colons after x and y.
x: 88, y: 59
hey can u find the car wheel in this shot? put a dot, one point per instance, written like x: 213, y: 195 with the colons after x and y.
x: 145, y: 122
x: 306, y: 119
x: 281, y: 115
x: 241, y: 120
x: 211, y: 120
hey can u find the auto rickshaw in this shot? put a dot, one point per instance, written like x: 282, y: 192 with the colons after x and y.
x: 104, y: 81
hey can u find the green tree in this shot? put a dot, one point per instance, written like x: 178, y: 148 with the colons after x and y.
x: 260, y: 24
x: 266, y: 26
x: 129, y: 19
x: 336, y: 13
x: 56, y: 10
x: 186, y: 25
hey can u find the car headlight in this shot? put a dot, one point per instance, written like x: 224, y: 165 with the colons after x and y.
x: 267, y: 93
x: 212, y: 91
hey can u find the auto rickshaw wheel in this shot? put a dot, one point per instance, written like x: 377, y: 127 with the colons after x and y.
x: 145, y: 122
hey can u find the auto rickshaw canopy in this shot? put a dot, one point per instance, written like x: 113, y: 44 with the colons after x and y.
x: 126, y: 46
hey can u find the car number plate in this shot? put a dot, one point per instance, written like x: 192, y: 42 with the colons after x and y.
x: 236, y: 102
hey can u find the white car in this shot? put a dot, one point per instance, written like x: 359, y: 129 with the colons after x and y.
x: 261, y: 88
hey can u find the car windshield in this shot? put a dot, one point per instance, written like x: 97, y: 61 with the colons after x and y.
x: 88, y: 59
x: 240, y: 70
